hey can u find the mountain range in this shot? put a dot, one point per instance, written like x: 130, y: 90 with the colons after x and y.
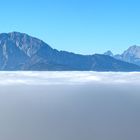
x: 131, y: 55
x: 19, y: 51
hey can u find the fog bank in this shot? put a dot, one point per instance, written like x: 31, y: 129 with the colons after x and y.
x: 69, y: 106
x: 54, y: 78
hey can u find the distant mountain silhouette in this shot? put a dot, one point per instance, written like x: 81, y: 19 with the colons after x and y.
x: 19, y: 51
x: 131, y: 55
x: 109, y: 53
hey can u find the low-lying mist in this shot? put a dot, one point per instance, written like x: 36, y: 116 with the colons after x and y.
x: 69, y: 106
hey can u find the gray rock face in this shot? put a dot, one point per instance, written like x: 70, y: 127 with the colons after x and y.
x: 20, y: 51
x: 132, y: 55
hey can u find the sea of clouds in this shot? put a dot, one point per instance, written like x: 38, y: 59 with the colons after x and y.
x: 75, y: 77
x: 69, y: 105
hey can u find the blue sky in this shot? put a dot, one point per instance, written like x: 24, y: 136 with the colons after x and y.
x: 81, y: 26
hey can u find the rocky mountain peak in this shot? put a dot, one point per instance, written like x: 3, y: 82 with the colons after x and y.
x: 133, y: 51
x: 29, y: 45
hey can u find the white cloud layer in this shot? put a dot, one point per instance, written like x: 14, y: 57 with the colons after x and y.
x: 48, y: 78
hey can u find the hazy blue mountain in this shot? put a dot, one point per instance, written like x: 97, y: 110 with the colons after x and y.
x: 19, y: 51
x: 131, y: 55
x: 109, y: 53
